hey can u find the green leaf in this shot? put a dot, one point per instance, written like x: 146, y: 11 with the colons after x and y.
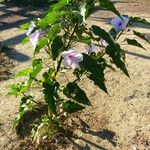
x: 134, y: 43
x: 25, y: 26
x: 54, y: 121
x: 49, y: 19
x: 108, y: 5
x: 25, y: 106
x: 103, y: 34
x: 37, y: 66
x: 57, y: 6
x: 97, y: 70
x: 115, y: 54
x: 139, y: 20
x: 41, y: 43
x: 48, y: 76
x: 141, y: 35
x: 56, y: 47
x: 24, y: 72
x: 17, y: 89
x: 72, y: 90
x: 25, y: 40
x: 113, y: 49
x: 89, y: 7
x: 85, y: 39
x: 50, y: 90
x: 78, y: 72
x: 76, y: 17
x: 53, y: 31
x: 72, y: 107
x: 14, y: 89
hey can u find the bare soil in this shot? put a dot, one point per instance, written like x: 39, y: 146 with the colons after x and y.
x: 118, y: 121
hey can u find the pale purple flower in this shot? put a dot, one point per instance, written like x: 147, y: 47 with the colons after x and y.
x: 103, y: 43
x: 90, y: 48
x: 34, y: 37
x: 31, y: 28
x: 72, y: 58
x: 120, y: 24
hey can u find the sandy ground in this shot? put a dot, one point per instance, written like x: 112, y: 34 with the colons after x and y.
x: 118, y: 121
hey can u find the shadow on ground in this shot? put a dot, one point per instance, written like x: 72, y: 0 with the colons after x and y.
x: 24, y: 126
x: 13, y: 16
x: 102, y: 135
x: 6, y: 66
x: 138, y: 55
x: 11, y: 11
x: 15, y: 55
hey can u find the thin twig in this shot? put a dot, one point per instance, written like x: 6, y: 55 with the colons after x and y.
x: 68, y: 45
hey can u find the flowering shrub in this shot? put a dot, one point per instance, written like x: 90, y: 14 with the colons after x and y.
x: 57, y: 33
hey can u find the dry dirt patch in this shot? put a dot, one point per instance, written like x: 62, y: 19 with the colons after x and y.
x: 118, y: 121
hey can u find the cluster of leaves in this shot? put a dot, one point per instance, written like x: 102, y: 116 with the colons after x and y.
x: 64, y: 25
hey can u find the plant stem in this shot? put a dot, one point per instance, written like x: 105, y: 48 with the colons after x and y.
x: 65, y: 48
x: 119, y: 35
x: 58, y: 67
x: 32, y: 100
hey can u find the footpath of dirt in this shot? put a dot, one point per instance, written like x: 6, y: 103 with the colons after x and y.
x: 118, y: 121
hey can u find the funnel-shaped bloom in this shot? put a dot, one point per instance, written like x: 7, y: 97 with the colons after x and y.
x: 31, y: 27
x: 120, y: 24
x: 34, y: 37
x: 71, y: 58
x: 90, y: 48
